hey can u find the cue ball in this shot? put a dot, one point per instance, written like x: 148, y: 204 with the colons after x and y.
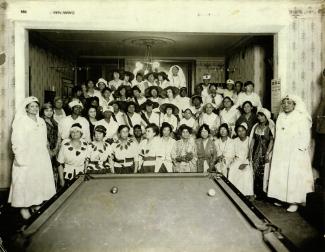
x: 114, y: 190
x: 211, y: 192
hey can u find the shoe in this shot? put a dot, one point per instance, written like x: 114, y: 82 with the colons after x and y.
x: 292, y: 208
x: 277, y: 204
x: 25, y: 213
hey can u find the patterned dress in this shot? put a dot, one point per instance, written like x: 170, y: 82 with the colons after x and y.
x: 99, y: 155
x: 124, y: 156
x: 72, y: 159
x: 186, y: 151
x: 262, y: 138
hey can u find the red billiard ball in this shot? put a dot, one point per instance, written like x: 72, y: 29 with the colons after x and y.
x: 114, y: 190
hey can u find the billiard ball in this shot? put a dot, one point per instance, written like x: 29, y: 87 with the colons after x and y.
x: 114, y: 190
x: 211, y: 192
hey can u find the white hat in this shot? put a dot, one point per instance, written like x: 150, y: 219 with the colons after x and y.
x: 206, y: 77
x: 108, y: 108
x: 101, y: 80
x: 230, y: 81
x: 75, y: 103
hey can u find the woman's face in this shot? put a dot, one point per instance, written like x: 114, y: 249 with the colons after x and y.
x: 92, y: 113
x: 204, y: 133
x: 196, y: 102
x: 160, y: 78
x: 116, y: 75
x: 187, y: 114
x: 223, y: 132
x: 78, y: 93
x: 32, y: 108
x: 175, y: 70
x: 227, y: 103
x: 75, y: 134
x: 139, y: 78
x: 149, y: 108
x: 124, y: 133
x: 166, y: 132
x: 48, y: 113
x: 101, y: 86
x: 149, y: 133
x: 94, y: 103
x: 90, y: 84
x: 99, y: 136
x: 238, y: 87
x: 183, y: 93
x: 137, y: 132
x: 288, y: 105
x: 186, y: 134
x: 136, y: 93
x: 241, y: 132
x: 230, y: 86
x: 169, y: 93
x: 77, y: 110
x: 83, y: 88
x: 247, y: 108
x: 154, y: 93
x: 209, y: 109
x: 249, y: 88
x: 261, y: 118
x: 107, y: 94
x: 151, y: 78
x: 115, y: 107
x: 131, y: 109
x: 169, y: 111
x: 58, y: 104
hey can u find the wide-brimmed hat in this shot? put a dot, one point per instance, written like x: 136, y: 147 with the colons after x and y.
x: 148, y: 74
x: 191, y: 109
x: 163, y: 108
x: 164, y: 75
x: 129, y: 103
x: 75, y: 103
x: 174, y: 89
x: 197, y: 97
x: 136, y: 88
x: 131, y: 75
x: 101, y: 80
x: 149, y: 103
x: 120, y: 104
x: 128, y: 91
x: 149, y: 89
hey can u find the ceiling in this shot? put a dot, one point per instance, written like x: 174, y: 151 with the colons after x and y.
x: 111, y: 43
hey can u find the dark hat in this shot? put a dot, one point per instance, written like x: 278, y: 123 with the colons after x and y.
x: 163, y: 108
x: 197, y: 97
x: 121, y: 104
x: 136, y: 106
x: 174, y: 89
x: 164, y: 75
x: 148, y: 74
x: 128, y: 91
x: 149, y: 103
x: 136, y: 88
x: 148, y: 91
x: 128, y: 73
x: 100, y: 128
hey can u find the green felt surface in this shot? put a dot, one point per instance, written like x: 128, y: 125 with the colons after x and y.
x: 147, y: 214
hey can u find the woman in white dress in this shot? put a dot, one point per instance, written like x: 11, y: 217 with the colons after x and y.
x: 189, y: 120
x: 210, y: 118
x: 229, y: 114
x: 169, y: 115
x: 291, y: 175
x: 225, y: 150
x: 162, y: 80
x: 32, y: 176
x: 183, y: 100
x: 176, y: 77
x: 72, y: 155
x: 166, y: 144
x: 240, y: 169
x: 170, y: 93
x: 249, y: 95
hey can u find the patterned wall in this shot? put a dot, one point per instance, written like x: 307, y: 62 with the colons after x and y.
x: 248, y: 64
x: 47, y: 70
x: 305, y: 57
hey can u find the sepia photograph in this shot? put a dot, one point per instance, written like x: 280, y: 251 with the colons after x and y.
x: 162, y: 125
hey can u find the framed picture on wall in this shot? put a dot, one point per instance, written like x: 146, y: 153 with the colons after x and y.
x: 67, y: 86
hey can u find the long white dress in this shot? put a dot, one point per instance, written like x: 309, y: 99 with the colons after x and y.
x: 32, y: 175
x: 243, y: 180
x: 291, y: 175
x: 165, y: 153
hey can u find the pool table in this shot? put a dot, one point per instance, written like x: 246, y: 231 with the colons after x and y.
x: 152, y: 212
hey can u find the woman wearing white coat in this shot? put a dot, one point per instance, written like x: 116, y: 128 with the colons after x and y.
x: 32, y: 175
x: 291, y: 175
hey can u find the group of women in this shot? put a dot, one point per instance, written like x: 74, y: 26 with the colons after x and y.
x: 149, y: 124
